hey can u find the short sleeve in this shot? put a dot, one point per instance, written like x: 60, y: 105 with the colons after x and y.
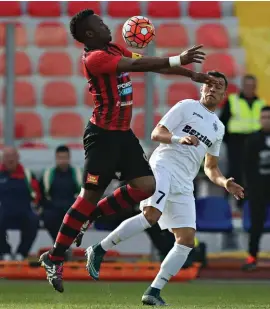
x: 174, y: 117
x: 100, y: 62
x: 214, y: 150
x: 126, y: 53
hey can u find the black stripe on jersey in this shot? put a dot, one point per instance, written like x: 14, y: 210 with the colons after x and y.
x: 113, y: 49
x: 109, y: 91
x: 98, y: 97
x: 120, y: 80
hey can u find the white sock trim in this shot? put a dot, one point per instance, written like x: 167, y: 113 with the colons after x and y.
x: 180, y: 248
x: 144, y: 221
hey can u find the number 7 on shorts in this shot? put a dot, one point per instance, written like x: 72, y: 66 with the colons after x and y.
x: 161, y: 197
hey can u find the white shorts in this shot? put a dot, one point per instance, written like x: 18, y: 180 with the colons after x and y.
x: 178, y: 210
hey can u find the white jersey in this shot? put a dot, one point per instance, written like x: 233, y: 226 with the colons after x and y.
x: 188, y: 117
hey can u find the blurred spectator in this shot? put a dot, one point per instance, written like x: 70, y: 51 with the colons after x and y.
x: 60, y: 186
x: 257, y: 175
x: 19, y: 192
x: 240, y: 115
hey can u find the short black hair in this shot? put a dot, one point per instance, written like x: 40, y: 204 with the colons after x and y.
x: 76, y: 24
x: 62, y: 148
x: 250, y: 76
x: 219, y: 75
x: 265, y: 109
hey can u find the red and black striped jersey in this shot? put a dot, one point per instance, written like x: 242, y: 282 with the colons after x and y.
x: 112, y: 92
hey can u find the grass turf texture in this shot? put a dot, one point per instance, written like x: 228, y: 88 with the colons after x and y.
x: 89, y: 295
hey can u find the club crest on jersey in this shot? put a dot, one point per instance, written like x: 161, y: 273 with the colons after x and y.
x: 93, y: 179
x: 215, y: 126
x: 204, y: 139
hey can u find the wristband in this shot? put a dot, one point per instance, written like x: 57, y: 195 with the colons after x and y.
x: 175, y: 61
x: 175, y: 139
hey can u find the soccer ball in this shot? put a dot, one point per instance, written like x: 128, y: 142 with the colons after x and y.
x: 138, y: 31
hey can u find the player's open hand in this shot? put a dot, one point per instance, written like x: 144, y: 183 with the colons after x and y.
x: 235, y: 189
x: 194, y: 54
x: 203, y: 78
x: 189, y: 140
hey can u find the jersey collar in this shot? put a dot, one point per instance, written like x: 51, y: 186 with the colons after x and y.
x: 206, y: 108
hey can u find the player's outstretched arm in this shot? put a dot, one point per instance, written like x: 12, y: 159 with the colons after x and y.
x: 195, y: 76
x: 155, y: 64
x: 213, y: 172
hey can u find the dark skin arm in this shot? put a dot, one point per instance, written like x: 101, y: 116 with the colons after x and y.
x: 154, y: 64
x: 195, y: 76
x: 176, y: 71
x: 162, y: 66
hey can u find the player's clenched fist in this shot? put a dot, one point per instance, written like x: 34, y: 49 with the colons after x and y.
x: 189, y: 140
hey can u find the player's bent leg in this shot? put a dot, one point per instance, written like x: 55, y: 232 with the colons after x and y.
x: 147, y: 184
x: 122, y: 198
x: 124, y: 231
x: 73, y: 221
x: 135, y: 224
x: 79, y: 212
x: 152, y: 214
x: 184, y: 242
x: 125, y: 197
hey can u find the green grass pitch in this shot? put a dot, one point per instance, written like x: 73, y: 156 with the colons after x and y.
x: 109, y: 295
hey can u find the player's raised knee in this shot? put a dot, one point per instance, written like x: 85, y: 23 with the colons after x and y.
x: 151, y: 214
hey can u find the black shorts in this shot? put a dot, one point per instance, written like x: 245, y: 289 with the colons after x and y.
x: 109, y: 152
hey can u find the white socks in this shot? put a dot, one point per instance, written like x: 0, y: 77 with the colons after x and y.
x: 125, y: 230
x: 171, y: 265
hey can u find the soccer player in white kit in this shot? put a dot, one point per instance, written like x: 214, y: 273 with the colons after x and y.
x: 188, y: 133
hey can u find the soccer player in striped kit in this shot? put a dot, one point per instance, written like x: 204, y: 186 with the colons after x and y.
x: 109, y: 143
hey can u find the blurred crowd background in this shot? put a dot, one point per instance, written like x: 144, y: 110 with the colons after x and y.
x: 45, y: 104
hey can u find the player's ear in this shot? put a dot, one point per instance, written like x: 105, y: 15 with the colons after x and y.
x: 89, y: 34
